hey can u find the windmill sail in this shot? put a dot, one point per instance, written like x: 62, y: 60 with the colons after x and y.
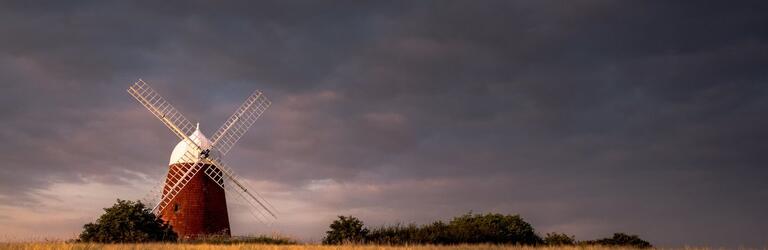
x: 177, y: 178
x: 240, y: 186
x: 163, y: 110
x: 230, y: 132
x: 234, y: 128
x: 239, y: 123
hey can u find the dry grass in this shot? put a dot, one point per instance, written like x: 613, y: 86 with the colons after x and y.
x: 86, y: 246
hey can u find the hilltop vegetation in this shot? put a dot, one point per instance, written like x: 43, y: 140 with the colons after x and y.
x: 469, y: 228
x: 132, y: 222
x: 465, y: 229
x: 127, y: 221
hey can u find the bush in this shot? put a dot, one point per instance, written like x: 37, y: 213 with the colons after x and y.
x: 469, y: 228
x: 559, y: 239
x: 346, y: 230
x: 127, y: 221
x: 493, y: 228
x: 393, y: 235
x: 436, y: 233
x: 621, y: 239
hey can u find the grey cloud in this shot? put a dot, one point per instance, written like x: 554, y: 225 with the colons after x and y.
x: 588, y: 117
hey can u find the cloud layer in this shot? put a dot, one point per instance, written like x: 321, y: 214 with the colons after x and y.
x: 585, y: 117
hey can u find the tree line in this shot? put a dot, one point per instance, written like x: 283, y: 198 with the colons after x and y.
x: 491, y: 228
x: 129, y: 221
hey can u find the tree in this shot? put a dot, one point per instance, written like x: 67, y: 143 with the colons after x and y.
x: 466, y: 229
x: 622, y: 239
x: 493, y: 228
x: 127, y: 221
x: 435, y: 233
x: 346, y: 230
x: 559, y: 239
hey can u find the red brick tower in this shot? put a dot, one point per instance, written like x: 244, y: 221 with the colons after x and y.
x: 201, y: 207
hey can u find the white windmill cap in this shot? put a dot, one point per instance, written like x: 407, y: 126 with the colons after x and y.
x: 177, y: 156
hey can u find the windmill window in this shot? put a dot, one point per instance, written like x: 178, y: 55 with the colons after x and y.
x: 176, y: 207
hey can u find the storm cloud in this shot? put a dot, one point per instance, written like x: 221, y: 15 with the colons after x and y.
x: 585, y: 117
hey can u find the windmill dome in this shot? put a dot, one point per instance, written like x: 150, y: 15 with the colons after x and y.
x: 181, y: 149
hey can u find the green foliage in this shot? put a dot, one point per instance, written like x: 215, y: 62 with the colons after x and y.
x: 620, y: 239
x: 493, y: 228
x: 559, y: 239
x: 127, y: 221
x: 346, y: 230
x: 394, y: 235
x: 468, y: 228
x: 435, y: 233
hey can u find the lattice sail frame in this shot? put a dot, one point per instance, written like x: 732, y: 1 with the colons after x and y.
x: 240, y: 187
x: 156, y: 104
x: 230, y: 132
x: 239, y: 123
x: 179, y: 125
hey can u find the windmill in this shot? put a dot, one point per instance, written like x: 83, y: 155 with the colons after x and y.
x: 192, y: 198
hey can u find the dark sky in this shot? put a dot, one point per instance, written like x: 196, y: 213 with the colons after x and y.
x: 585, y: 117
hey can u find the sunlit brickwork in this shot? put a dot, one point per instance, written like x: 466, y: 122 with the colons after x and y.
x: 199, y: 209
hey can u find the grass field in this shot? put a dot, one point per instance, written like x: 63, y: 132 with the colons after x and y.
x: 84, y: 246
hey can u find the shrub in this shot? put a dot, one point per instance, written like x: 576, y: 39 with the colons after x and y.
x: 559, y: 239
x: 394, y: 235
x: 435, y: 233
x: 127, y: 221
x: 493, y: 228
x: 468, y: 228
x: 346, y: 230
x: 621, y: 239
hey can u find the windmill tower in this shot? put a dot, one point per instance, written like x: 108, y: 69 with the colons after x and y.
x: 193, y: 196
